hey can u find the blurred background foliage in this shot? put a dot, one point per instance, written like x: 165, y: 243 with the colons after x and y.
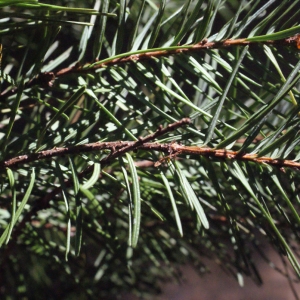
x: 76, y: 228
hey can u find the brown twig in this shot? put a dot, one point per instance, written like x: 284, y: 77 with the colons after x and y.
x: 233, y: 155
x: 119, y: 148
x: 203, y: 45
x: 46, y: 79
x: 116, y: 148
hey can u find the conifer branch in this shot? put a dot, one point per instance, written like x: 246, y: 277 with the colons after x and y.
x: 119, y: 148
x: 47, y: 79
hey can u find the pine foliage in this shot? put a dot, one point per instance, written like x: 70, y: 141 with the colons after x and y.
x: 137, y: 136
